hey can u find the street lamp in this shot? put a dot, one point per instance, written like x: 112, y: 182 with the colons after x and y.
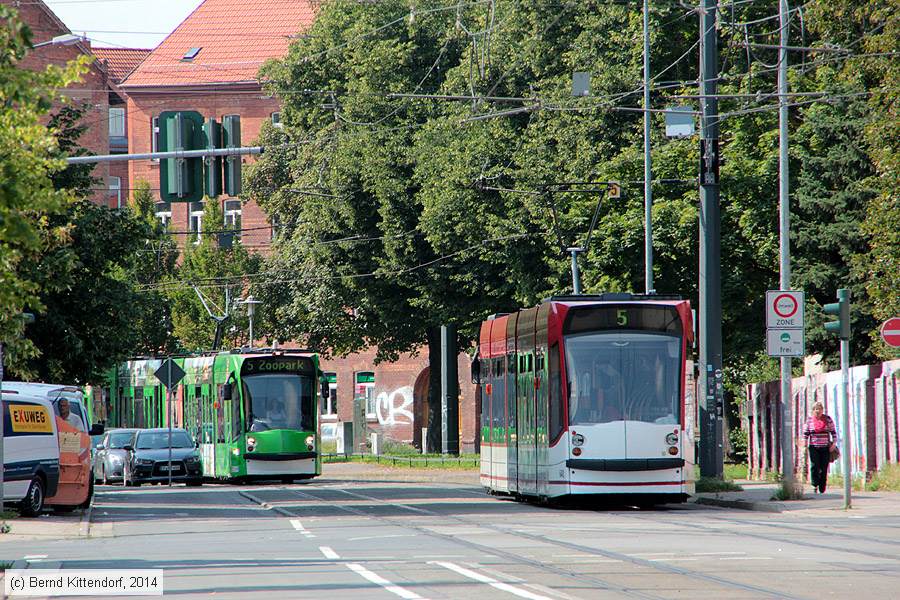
x: 66, y: 39
x: 250, y: 302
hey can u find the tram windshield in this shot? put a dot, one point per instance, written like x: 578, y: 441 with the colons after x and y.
x: 279, y: 401
x: 623, y: 376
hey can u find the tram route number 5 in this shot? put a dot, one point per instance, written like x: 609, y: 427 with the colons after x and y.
x: 622, y: 317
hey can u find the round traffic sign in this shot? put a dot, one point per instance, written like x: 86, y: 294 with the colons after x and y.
x: 890, y: 332
x: 785, y: 306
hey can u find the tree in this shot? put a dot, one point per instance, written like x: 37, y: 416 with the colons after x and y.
x: 221, y: 275
x: 28, y: 154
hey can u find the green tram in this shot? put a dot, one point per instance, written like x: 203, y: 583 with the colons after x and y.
x: 253, y: 414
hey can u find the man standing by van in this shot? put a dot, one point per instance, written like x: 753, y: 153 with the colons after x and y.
x: 68, y: 416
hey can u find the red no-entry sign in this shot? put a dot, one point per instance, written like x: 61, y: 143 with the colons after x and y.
x: 890, y: 332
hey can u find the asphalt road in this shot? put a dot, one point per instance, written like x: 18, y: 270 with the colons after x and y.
x: 356, y: 534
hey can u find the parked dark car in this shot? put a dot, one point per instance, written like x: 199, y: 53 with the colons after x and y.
x: 109, y: 461
x: 148, y: 458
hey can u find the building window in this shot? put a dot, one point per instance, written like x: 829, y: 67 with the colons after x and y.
x: 117, y: 122
x: 154, y: 139
x: 233, y: 217
x: 164, y: 213
x: 365, y: 388
x: 115, y: 191
x: 329, y: 404
x: 276, y: 120
x: 195, y: 217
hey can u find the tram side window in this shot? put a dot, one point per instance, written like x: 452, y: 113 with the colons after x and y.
x: 555, y: 394
x: 511, y: 391
x: 498, y: 400
x: 220, y: 418
x: 235, y: 411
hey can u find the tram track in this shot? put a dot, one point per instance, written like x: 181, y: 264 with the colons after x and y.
x: 773, y: 538
x: 607, y: 554
x: 473, y: 545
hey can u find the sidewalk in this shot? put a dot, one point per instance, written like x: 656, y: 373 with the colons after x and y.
x: 757, y: 496
x: 48, y: 526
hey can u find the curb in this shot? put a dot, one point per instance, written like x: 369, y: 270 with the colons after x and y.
x: 770, y: 507
x: 282, y: 511
x: 85, y: 528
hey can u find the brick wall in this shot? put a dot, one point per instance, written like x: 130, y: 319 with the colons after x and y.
x: 254, y: 109
x: 93, y: 89
x: 401, y: 395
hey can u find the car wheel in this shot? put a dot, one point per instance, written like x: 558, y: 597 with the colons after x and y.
x: 33, y: 502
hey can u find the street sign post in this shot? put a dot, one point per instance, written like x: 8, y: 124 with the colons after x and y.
x: 169, y: 374
x: 890, y: 332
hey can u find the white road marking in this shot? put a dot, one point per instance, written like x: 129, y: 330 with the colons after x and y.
x: 673, y: 559
x: 491, y: 582
x: 714, y: 553
x: 379, y: 580
x: 299, y: 527
x: 328, y: 552
x: 34, y: 556
x: 380, y: 537
x: 747, y: 558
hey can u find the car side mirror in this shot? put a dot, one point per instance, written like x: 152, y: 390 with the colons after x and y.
x: 97, y: 429
x: 128, y: 448
x: 100, y: 447
x: 226, y: 391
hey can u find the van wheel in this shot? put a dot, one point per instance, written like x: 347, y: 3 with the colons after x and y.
x: 33, y: 503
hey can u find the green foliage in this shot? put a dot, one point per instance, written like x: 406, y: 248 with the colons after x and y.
x: 213, y: 270
x: 67, y: 126
x: 712, y: 485
x: 735, y: 471
x: 738, y: 443
x: 402, y: 214
x: 885, y: 480
x: 28, y: 158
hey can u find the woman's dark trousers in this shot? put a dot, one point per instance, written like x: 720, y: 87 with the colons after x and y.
x: 818, y: 458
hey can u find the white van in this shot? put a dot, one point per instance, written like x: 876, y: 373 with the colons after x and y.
x: 54, y: 393
x: 30, y: 451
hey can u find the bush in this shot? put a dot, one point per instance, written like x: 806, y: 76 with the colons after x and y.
x: 738, y: 440
x: 712, y: 484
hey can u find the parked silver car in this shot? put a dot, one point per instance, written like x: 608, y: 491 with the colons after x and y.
x: 109, y: 462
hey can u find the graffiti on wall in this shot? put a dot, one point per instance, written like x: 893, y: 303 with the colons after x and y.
x: 395, y: 407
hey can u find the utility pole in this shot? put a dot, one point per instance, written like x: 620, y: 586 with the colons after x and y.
x: 648, y: 177
x: 711, y: 392
x: 784, y: 210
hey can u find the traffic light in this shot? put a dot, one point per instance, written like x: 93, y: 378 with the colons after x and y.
x: 181, y: 179
x: 212, y: 165
x: 231, y: 138
x: 841, y: 309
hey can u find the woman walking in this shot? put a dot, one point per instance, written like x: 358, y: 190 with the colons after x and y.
x: 820, y: 439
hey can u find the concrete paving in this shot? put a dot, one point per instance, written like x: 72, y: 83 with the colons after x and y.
x: 363, y: 531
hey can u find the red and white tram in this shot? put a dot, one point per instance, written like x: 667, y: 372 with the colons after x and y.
x: 587, y: 395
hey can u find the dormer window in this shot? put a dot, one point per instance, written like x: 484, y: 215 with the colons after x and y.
x: 191, y: 54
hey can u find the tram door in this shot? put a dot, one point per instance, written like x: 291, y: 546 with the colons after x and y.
x: 526, y: 418
x: 512, y: 451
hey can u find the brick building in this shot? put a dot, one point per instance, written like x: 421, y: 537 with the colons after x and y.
x: 94, y: 90
x: 209, y: 64
x: 119, y: 63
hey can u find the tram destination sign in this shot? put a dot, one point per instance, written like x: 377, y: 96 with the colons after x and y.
x: 784, y: 309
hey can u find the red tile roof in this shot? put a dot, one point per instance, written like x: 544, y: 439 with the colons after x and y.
x: 121, y: 61
x: 235, y: 36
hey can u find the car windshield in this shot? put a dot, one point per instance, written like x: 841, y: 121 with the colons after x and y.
x: 616, y: 377
x: 157, y: 440
x: 121, y: 439
x: 277, y: 401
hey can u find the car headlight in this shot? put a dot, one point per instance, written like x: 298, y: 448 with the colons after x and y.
x: 192, y: 459
x: 144, y: 461
x: 251, y: 444
x: 310, y: 442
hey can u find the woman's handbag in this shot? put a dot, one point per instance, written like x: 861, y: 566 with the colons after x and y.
x: 833, y: 453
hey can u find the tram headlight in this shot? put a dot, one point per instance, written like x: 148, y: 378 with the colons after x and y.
x: 251, y: 444
x: 310, y: 442
x: 577, y: 439
x: 672, y: 439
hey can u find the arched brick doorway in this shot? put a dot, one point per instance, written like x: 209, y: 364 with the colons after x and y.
x: 420, y: 406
